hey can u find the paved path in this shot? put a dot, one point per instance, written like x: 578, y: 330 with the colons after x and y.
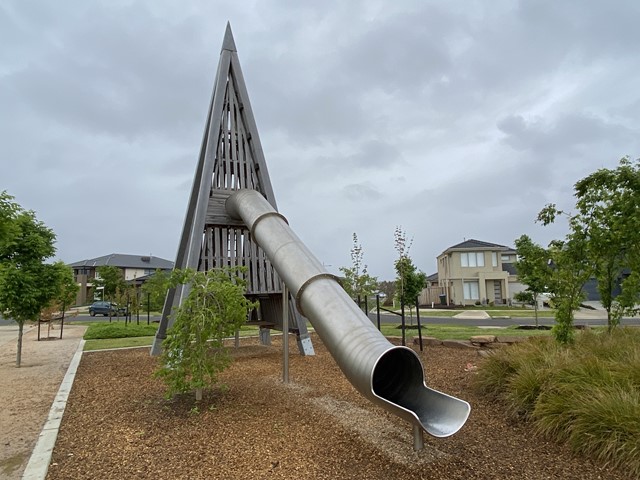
x: 28, y: 393
x: 473, y: 315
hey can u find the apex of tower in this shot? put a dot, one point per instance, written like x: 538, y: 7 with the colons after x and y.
x: 228, y: 43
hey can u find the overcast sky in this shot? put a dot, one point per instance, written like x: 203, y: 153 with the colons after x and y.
x: 451, y: 119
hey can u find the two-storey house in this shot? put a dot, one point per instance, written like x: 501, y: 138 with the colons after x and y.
x: 475, y: 272
x: 132, y: 266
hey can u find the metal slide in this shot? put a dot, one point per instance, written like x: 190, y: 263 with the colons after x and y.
x: 390, y: 376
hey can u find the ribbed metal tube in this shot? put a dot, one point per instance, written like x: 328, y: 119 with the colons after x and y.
x: 389, y: 376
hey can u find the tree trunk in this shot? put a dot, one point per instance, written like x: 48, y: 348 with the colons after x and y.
x: 19, y: 355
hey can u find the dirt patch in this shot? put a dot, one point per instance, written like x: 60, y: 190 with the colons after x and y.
x: 26, y: 393
x: 118, y: 425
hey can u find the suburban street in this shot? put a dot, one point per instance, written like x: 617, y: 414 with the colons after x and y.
x: 493, y: 322
x: 388, y: 318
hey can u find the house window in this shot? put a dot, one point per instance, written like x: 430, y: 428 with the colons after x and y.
x: 494, y: 259
x: 505, y: 258
x: 472, y: 259
x: 471, y: 291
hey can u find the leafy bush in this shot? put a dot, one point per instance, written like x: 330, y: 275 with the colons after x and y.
x: 586, y: 394
x: 118, y: 330
x: 193, y: 352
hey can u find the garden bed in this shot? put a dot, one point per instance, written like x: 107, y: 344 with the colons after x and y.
x: 118, y: 425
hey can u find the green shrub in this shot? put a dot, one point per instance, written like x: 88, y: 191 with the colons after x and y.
x: 603, y: 422
x: 119, y: 330
x: 499, y: 374
x: 193, y: 352
x: 586, y: 394
x: 524, y: 387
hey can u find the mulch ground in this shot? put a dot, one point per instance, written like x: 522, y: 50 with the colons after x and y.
x: 118, y: 425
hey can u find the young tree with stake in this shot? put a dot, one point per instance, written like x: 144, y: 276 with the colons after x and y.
x: 357, y: 281
x: 193, y: 352
x: 27, y: 284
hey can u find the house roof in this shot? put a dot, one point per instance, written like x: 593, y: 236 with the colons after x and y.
x: 122, y: 260
x: 473, y: 244
x: 433, y: 277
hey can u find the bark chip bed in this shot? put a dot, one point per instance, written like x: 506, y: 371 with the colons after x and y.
x: 118, y: 425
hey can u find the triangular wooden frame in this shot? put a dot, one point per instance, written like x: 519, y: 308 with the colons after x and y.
x: 231, y: 158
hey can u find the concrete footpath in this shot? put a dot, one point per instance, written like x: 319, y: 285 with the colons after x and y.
x: 33, y: 397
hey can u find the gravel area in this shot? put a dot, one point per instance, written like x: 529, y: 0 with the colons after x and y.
x: 26, y: 393
x: 118, y: 425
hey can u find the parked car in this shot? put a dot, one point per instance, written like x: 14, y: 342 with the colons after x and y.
x: 106, y: 309
x: 121, y: 310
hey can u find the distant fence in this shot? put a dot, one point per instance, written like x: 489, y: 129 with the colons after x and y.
x: 431, y: 295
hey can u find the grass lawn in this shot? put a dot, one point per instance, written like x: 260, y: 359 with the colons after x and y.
x: 456, y: 332
x: 499, y: 312
x: 521, y: 313
x: 106, y: 343
x: 103, y: 335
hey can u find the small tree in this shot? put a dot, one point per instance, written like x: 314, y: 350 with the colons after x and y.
x: 110, y: 278
x: 409, y: 280
x: 605, y: 233
x: 570, y: 271
x: 63, y: 298
x: 193, y: 352
x: 608, y: 206
x: 526, y: 297
x: 68, y: 288
x: 156, y: 287
x: 126, y: 297
x: 8, y: 228
x: 389, y: 289
x: 27, y: 284
x: 533, y: 269
x: 357, y: 281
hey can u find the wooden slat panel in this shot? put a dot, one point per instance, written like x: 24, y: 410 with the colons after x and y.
x: 233, y: 156
x: 233, y: 257
x: 268, y: 273
x: 262, y: 280
x: 246, y: 257
x: 242, y: 157
x: 255, y: 285
x: 225, y: 126
x: 216, y: 212
x: 224, y: 239
x: 217, y: 171
x: 239, y: 253
x: 238, y: 248
x: 277, y: 282
x: 249, y: 175
x: 203, y: 248
x: 217, y: 247
x: 209, y: 242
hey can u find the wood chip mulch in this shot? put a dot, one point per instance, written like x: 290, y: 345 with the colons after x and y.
x: 118, y: 425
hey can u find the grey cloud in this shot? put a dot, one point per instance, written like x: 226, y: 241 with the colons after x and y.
x: 375, y: 154
x: 116, y: 76
x: 453, y: 120
x: 567, y: 132
x: 362, y: 191
x: 396, y: 57
x: 370, y: 156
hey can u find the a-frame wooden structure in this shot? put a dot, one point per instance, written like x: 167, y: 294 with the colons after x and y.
x: 231, y: 158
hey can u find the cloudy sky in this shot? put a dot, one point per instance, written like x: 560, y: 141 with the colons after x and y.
x: 451, y: 119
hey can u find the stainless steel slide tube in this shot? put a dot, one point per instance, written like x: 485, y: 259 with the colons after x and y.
x: 389, y: 376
